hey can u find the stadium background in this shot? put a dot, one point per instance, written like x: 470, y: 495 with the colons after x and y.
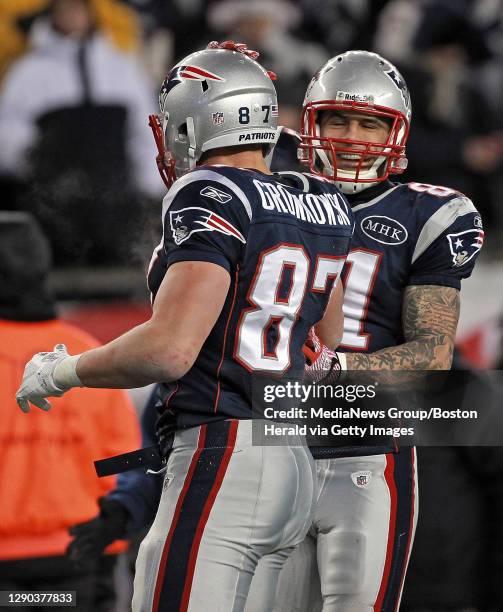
x: 89, y: 174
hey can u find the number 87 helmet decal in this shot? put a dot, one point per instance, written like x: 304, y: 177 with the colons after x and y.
x: 218, y: 97
x: 365, y: 83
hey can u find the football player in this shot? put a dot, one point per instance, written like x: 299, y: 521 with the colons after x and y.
x: 244, y: 269
x: 412, y: 246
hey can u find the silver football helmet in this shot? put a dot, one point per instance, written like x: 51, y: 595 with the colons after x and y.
x: 218, y: 97
x: 366, y: 83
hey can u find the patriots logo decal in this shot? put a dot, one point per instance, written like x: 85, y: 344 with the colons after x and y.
x: 400, y: 84
x: 188, y: 221
x: 178, y: 74
x: 465, y: 245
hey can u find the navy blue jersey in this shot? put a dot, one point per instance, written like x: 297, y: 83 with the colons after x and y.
x: 409, y: 234
x: 283, y: 241
x: 405, y: 234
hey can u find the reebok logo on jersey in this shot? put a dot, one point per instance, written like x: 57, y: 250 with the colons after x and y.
x: 384, y: 229
x: 361, y: 479
x: 465, y: 245
x: 188, y: 221
x: 215, y: 194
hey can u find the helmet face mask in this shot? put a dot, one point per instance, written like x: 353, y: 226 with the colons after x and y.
x: 164, y: 159
x: 215, y: 98
x: 361, y: 83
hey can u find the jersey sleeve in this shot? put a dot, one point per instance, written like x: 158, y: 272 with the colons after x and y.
x: 205, y: 218
x: 448, y: 245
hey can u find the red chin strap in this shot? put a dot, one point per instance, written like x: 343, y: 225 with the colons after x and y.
x: 165, y: 161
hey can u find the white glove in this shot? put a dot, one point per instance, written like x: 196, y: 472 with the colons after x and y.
x: 322, y: 364
x: 38, y: 378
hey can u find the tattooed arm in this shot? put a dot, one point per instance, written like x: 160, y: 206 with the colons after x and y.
x: 429, y: 316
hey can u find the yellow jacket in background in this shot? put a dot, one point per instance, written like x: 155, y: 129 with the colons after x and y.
x: 118, y: 21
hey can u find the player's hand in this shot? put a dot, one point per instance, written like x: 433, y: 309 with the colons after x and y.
x: 322, y: 364
x: 38, y: 379
x: 92, y: 537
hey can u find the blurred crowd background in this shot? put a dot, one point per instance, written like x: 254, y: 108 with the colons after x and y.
x: 78, y: 79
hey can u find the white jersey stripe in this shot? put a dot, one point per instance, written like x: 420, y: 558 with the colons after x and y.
x: 299, y: 175
x: 440, y: 221
x: 375, y: 200
x: 205, y: 175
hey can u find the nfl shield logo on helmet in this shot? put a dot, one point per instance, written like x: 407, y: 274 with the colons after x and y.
x: 218, y: 118
x: 361, y: 479
x: 465, y: 245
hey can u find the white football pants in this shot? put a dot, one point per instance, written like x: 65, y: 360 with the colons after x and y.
x: 226, y: 503
x: 355, y: 556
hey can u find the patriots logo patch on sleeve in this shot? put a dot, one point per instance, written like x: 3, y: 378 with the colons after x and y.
x: 187, y: 221
x: 465, y: 245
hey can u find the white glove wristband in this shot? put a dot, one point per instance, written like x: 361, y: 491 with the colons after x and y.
x: 65, y: 373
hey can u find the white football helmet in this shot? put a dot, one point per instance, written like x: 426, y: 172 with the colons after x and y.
x: 218, y: 97
x: 367, y: 83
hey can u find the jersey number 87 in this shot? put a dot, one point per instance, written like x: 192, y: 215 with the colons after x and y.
x: 273, y: 308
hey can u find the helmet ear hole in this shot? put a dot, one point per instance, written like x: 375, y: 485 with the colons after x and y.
x: 182, y: 132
